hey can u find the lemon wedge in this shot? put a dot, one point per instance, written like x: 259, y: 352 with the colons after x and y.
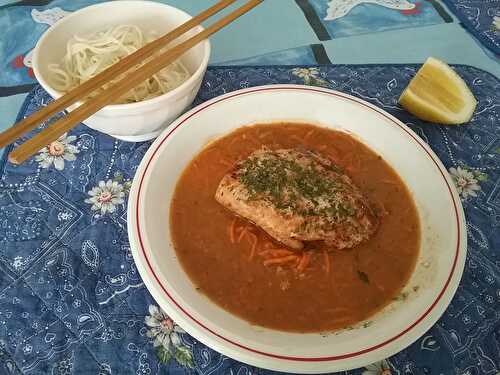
x: 438, y: 94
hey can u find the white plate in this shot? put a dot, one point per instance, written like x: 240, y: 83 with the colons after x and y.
x: 438, y: 269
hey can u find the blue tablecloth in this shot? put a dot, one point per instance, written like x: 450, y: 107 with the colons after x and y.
x: 72, y: 302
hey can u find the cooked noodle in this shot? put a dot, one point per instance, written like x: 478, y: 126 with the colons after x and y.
x: 88, y: 56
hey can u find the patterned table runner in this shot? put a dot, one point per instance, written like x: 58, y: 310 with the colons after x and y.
x: 481, y: 18
x: 71, y: 300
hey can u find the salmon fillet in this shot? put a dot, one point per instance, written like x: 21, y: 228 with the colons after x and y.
x: 298, y: 196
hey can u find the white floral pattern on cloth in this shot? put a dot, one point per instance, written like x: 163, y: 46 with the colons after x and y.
x: 467, y: 182
x: 57, y: 152
x: 63, y: 367
x: 167, y: 338
x: 310, y: 76
x: 378, y: 368
x: 496, y: 23
x: 339, y: 8
x: 18, y: 262
x: 47, y: 17
x: 106, y: 196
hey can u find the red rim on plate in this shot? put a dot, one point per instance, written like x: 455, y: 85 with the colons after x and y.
x: 278, y: 356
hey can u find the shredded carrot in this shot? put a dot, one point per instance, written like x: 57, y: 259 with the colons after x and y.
x: 333, y: 156
x: 389, y: 182
x: 349, y: 139
x: 264, y: 135
x: 254, y: 247
x: 327, y: 261
x: 297, y: 262
x: 242, y: 233
x: 268, y: 245
x: 308, y: 135
x: 346, y: 160
x: 358, y: 164
x: 304, y: 262
x: 282, y: 260
x: 281, y: 252
x: 381, y: 207
x: 276, y: 253
x: 225, y: 163
x: 353, y: 165
x: 352, y: 169
x: 234, y: 141
x: 379, y: 287
x: 251, y: 237
x: 253, y: 240
x: 297, y: 139
x: 332, y: 152
x: 210, y: 149
x: 231, y: 230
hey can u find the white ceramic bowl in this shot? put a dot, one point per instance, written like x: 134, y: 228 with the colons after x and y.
x: 136, y: 121
x: 437, y: 273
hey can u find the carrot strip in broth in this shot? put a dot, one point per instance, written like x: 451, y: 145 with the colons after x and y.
x: 265, y: 134
x: 231, y: 230
x: 268, y: 245
x: 281, y: 260
x: 243, y: 232
x: 276, y: 253
x: 381, y: 207
x: 308, y: 135
x: 327, y: 261
x: 254, y: 247
x: 346, y: 160
x: 297, y: 262
x: 353, y: 165
x: 304, y: 262
x: 225, y: 163
x: 387, y: 181
x: 251, y: 237
x: 297, y: 139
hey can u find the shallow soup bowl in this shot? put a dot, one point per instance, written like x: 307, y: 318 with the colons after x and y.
x: 142, y: 120
x: 422, y: 301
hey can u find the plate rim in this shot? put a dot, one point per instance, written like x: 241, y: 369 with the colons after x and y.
x: 424, y: 322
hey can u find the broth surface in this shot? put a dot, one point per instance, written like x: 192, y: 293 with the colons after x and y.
x: 339, y: 287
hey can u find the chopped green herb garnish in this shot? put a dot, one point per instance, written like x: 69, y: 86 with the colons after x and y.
x: 304, y: 188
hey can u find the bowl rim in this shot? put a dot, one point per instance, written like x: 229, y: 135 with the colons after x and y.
x: 204, y: 333
x: 126, y: 106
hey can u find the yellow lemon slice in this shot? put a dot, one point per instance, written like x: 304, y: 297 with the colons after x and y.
x: 438, y: 94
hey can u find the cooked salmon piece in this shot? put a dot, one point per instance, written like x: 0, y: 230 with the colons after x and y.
x: 296, y: 196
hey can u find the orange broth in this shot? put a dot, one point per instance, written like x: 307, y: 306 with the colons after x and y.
x: 222, y: 254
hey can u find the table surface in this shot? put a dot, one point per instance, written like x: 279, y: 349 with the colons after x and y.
x: 279, y: 32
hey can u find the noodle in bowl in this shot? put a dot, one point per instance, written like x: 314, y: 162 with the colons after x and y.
x: 88, y: 41
x: 87, y: 56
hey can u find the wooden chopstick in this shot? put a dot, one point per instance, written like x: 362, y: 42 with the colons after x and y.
x: 87, y: 87
x: 119, y: 88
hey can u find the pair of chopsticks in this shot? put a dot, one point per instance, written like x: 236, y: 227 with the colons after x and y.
x: 128, y: 82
